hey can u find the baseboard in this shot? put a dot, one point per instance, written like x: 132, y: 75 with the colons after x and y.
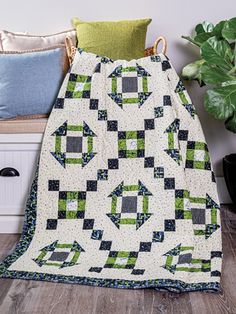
x: 13, y: 224
x: 222, y: 191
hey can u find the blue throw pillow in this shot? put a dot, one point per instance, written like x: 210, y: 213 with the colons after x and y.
x: 30, y: 81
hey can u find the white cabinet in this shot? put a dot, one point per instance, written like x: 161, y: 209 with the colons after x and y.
x: 18, y: 151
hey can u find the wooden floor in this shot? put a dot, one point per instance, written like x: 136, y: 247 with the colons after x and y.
x: 31, y: 297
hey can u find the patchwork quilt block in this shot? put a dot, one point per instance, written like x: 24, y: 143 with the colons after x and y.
x: 129, y: 85
x: 73, y: 144
x: 124, y: 195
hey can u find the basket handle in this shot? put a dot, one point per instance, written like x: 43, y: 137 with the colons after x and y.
x: 70, y: 49
x: 164, y: 45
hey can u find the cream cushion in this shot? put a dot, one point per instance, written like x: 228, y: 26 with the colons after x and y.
x: 24, y: 124
x: 14, y: 41
x: 21, y: 33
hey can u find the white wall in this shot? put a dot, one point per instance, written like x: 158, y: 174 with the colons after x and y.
x: 170, y: 18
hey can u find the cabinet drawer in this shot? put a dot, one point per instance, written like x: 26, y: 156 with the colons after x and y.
x: 14, y: 190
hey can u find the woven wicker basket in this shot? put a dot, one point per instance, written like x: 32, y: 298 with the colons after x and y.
x: 71, y: 49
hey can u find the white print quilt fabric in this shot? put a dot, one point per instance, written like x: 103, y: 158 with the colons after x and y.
x: 124, y: 195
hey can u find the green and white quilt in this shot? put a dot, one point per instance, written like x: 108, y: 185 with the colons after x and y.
x: 124, y: 195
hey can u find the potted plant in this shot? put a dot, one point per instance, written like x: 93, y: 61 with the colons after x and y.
x: 216, y: 68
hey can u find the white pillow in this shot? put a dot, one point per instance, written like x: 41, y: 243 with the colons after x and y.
x: 21, y: 33
x: 10, y: 41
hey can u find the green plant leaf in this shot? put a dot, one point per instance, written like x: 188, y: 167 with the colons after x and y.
x: 217, y: 52
x: 199, y: 28
x: 204, y: 27
x: 192, y: 70
x: 203, y: 32
x: 229, y: 30
x: 221, y: 101
x: 201, y: 38
x: 217, y: 31
x: 214, y: 75
x: 217, y: 68
x: 230, y: 123
x: 191, y: 40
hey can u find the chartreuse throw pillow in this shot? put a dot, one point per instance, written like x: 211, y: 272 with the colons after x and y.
x: 117, y: 40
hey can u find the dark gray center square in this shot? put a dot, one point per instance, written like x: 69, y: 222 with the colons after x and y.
x: 58, y: 256
x: 185, y: 258
x: 129, y: 204
x: 74, y: 144
x: 129, y: 84
x: 198, y: 216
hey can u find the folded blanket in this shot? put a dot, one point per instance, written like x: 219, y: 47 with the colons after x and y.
x: 124, y: 195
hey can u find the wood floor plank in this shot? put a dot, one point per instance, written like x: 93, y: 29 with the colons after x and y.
x: 7, y: 244
x: 39, y: 297
x: 5, y: 285
x: 211, y: 303
x: 120, y: 301
x: 31, y: 297
x: 168, y: 303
